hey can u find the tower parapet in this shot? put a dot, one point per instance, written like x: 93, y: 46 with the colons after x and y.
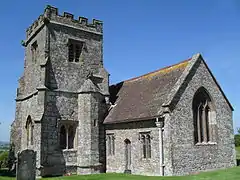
x: 51, y: 15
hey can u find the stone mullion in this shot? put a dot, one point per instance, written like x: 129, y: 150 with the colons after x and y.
x: 149, y: 147
x: 204, y: 124
x: 66, y: 127
x: 199, y: 125
x: 208, y: 128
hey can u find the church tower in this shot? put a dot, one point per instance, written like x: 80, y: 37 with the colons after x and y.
x: 63, y: 95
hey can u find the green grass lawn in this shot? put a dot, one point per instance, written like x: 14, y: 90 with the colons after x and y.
x: 226, y: 174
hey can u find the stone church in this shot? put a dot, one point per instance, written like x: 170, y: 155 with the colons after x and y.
x: 173, y: 121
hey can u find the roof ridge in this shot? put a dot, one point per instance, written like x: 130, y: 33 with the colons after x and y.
x: 135, y: 78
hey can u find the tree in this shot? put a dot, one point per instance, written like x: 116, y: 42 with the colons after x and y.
x: 237, y: 137
x: 238, y: 130
x: 4, y: 159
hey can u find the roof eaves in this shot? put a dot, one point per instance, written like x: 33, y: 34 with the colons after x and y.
x: 132, y: 120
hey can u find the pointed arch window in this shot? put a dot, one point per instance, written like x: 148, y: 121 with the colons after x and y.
x: 29, y: 129
x: 203, y: 115
x: 34, y: 49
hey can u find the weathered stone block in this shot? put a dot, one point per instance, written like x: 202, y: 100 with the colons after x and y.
x: 26, y: 165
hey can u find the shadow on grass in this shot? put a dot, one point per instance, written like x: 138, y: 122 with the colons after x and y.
x: 6, y: 173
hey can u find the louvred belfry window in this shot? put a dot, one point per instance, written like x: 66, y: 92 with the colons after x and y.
x: 74, y: 50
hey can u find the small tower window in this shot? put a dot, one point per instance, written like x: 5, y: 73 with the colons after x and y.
x: 34, y: 49
x: 67, y: 136
x: 29, y: 129
x: 74, y: 50
x: 95, y: 123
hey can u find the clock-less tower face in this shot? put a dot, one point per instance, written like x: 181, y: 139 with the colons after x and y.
x: 63, y: 65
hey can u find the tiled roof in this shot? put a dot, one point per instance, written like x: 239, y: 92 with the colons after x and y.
x: 141, y: 98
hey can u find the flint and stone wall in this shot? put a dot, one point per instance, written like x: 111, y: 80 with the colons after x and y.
x: 186, y: 156
x: 49, y: 88
x: 139, y: 165
x: 49, y: 93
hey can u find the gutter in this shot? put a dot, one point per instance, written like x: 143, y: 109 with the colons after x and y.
x: 160, y: 125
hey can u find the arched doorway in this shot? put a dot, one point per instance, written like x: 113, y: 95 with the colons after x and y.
x: 127, y: 156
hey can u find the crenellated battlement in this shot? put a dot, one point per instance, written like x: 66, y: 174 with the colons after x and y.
x: 51, y: 15
x: 35, y: 26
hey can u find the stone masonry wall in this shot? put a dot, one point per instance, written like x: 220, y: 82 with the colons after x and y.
x: 48, y: 89
x: 60, y: 106
x: 27, y: 108
x: 91, y: 148
x: 63, y: 80
x: 16, y: 130
x: 139, y: 165
x: 32, y: 69
x: 186, y: 156
x: 29, y: 100
x: 69, y: 76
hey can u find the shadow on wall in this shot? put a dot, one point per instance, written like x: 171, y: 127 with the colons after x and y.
x: 238, y: 162
x: 53, y: 160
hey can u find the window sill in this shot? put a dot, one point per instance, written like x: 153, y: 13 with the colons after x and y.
x: 146, y: 159
x: 69, y: 150
x: 205, y: 144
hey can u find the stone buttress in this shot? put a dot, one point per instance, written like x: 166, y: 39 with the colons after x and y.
x: 62, y: 95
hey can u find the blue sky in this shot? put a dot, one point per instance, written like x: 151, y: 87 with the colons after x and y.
x: 139, y: 36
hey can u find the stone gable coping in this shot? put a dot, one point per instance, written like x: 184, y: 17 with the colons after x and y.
x: 180, y: 81
x: 195, y: 58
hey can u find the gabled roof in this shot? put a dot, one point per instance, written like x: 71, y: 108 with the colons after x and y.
x: 142, y: 97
